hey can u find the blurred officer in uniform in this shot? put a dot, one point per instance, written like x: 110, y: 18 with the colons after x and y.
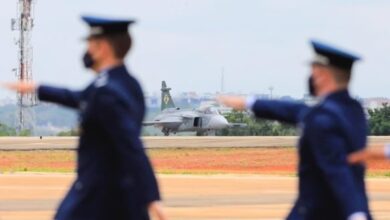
x: 115, y: 179
x: 362, y: 156
x: 329, y: 188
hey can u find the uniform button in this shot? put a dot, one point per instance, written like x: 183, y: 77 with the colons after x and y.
x: 78, y: 186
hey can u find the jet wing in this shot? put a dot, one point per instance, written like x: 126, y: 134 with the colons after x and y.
x: 189, y: 115
x: 166, y: 122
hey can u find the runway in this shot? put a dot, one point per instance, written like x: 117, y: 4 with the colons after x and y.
x: 70, y: 143
x: 190, y: 197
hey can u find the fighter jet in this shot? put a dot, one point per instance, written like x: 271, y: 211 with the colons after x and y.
x: 172, y: 119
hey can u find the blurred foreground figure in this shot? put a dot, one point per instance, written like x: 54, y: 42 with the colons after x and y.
x: 115, y: 179
x: 329, y: 188
x: 370, y: 154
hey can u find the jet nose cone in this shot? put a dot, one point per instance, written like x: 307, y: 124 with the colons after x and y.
x: 219, y: 122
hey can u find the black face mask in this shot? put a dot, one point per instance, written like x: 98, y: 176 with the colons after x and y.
x: 312, y: 90
x: 88, y: 60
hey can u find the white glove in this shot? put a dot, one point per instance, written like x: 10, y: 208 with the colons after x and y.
x: 387, y: 151
x: 357, y: 216
x: 249, y: 102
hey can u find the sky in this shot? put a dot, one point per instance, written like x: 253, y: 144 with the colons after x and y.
x: 258, y: 44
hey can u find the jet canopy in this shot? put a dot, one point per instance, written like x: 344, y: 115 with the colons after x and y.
x: 209, y: 110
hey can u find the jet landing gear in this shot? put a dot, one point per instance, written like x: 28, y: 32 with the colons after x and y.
x: 166, y: 131
x: 200, y: 133
x: 206, y: 133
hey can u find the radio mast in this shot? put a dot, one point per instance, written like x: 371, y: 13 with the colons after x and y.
x: 23, y: 25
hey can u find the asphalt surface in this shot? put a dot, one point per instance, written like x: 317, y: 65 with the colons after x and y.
x: 70, y: 143
x: 190, y: 197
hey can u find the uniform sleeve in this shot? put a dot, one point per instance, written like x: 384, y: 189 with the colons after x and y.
x: 329, y: 151
x: 123, y: 129
x: 61, y: 96
x: 283, y: 111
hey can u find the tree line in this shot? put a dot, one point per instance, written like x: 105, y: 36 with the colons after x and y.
x: 254, y: 126
x: 378, y: 121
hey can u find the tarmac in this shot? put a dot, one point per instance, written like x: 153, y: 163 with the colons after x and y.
x: 70, y: 143
x: 35, y: 196
x: 29, y: 196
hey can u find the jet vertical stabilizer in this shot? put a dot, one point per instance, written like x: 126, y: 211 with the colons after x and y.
x: 166, y: 98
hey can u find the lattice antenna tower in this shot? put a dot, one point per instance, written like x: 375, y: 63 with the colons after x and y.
x: 23, y: 25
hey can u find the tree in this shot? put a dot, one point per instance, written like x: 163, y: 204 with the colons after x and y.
x: 379, y: 120
x: 6, y: 130
x: 71, y: 132
x: 25, y: 133
x: 255, y: 127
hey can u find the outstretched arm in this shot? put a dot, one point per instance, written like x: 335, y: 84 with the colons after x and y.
x: 60, y: 96
x: 47, y: 93
x: 288, y: 112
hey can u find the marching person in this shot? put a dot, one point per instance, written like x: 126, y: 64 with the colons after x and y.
x: 115, y: 179
x: 329, y: 188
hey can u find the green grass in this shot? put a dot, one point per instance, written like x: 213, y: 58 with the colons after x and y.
x: 378, y: 174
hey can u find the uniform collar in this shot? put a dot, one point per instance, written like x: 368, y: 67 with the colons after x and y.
x: 102, y: 78
x: 332, y: 96
x: 108, y: 71
x: 344, y: 93
x: 111, y: 69
x: 104, y: 75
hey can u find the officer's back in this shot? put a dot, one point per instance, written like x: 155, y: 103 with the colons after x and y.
x: 344, y: 116
x: 115, y: 179
x: 329, y: 188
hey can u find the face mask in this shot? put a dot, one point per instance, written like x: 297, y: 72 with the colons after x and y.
x: 312, y: 90
x: 88, y: 60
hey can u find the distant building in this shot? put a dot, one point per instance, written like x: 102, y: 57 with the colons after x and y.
x: 187, y: 99
x: 262, y: 96
x: 372, y: 103
x: 287, y: 98
x: 152, y: 101
x: 7, y: 101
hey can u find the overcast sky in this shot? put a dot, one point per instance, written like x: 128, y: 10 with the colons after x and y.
x: 187, y: 43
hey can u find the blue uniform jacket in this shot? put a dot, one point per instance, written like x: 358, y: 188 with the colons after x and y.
x: 115, y: 179
x: 329, y: 188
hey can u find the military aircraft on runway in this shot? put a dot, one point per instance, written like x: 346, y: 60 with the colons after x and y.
x: 203, y: 121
